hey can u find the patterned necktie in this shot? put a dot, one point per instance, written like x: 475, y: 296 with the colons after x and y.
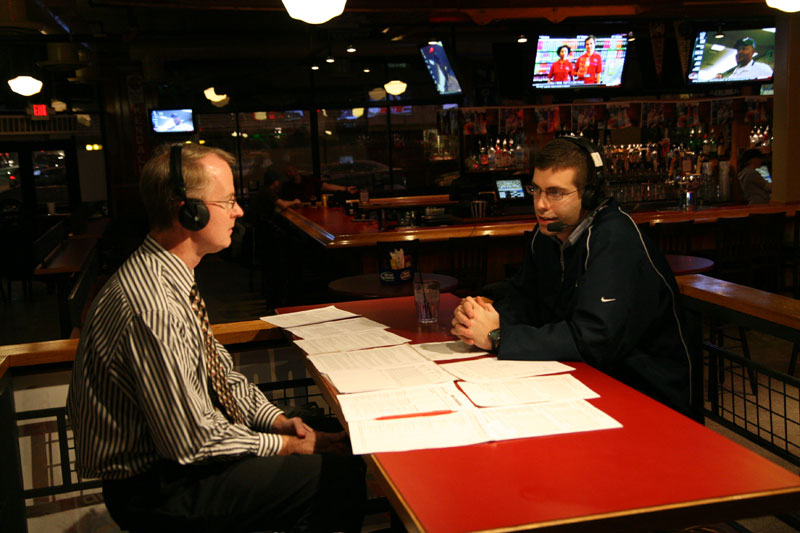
x: 216, y: 374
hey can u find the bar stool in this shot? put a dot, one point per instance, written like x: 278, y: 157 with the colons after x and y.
x: 674, y: 237
x: 766, y: 250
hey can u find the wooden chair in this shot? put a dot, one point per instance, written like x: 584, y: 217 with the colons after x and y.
x: 674, y: 237
x: 469, y: 262
x: 766, y: 250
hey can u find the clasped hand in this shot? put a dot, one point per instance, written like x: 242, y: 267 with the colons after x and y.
x: 299, y: 438
x: 473, y: 319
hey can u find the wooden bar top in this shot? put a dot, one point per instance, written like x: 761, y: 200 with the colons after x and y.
x: 63, y: 351
x: 767, y: 306
x: 332, y: 228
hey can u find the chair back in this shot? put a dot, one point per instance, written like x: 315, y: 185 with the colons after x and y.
x: 674, y: 237
x: 469, y: 262
x: 732, y: 250
x: 766, y: 250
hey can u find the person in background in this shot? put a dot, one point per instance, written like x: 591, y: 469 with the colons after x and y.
x: 746, y: 67
x: 562, y: 69
x: 589, y: 66
x: 308, y: 188
x: 592, y: 288
x: 756, y: 189
x: 181, y: 441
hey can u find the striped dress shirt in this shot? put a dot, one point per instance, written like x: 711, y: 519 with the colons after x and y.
x: 139, y: 391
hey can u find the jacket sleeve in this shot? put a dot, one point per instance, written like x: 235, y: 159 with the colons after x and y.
x: 615, y: 300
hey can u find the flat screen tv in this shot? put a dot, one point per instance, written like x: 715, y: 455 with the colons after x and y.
x: 440, y: 69
x: 172, y: 120
x: 510, y: 189
x: 736, y: 56
x: 579, y: 61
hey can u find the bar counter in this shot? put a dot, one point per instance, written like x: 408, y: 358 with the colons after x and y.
x: 332, y: 228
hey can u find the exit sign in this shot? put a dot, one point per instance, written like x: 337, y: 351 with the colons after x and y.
x: 39, y: 111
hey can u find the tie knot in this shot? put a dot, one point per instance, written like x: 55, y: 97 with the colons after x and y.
x: 194, y: 294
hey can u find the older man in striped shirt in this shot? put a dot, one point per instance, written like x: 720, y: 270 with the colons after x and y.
x: 181, y: 441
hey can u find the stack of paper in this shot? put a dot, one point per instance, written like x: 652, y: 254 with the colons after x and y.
x: 395, y: 397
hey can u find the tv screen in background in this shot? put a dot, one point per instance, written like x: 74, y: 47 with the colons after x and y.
x: 577, y: 68
x: 172, y: 120
x: 740, y: 55
x: 440, y: 69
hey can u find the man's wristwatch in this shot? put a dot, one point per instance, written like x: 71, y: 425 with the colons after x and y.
x: 494, y: 338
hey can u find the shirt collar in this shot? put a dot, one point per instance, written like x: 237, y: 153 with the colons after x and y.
x: 182, y: 277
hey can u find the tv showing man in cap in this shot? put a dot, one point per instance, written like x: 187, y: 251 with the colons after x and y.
x: 746, y: 67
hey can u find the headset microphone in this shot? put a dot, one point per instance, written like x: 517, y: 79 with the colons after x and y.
x: 558, y: 227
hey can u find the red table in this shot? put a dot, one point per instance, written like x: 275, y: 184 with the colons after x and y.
x: 661, y: 470
x: 688, y: 264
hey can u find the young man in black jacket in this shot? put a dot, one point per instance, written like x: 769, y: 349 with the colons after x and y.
x: 592, y: 287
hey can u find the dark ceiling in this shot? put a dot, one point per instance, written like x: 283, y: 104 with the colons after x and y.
x: 254, y: 52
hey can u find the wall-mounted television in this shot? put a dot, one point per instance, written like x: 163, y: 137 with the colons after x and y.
x: 738, y: 55
x: 579, y: 61
x: 172, y: 120
x: 444, y: 78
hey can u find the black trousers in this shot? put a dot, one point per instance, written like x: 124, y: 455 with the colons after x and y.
x: 285, y: 493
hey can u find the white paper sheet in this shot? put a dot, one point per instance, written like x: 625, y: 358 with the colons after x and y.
x: 396, y: 402
x: 351, y: 341
x: 539, y: 419
x: 560, y: 387
x: 488, y: 369
x: 336, y: 327
x: 386, y: 357
x: 370, y: 379
x: 448, y: 350
x: 312, y: 316
x: 415, y: 433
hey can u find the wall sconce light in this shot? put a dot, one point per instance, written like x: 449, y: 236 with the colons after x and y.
x: 522, y: 39
x: 314, y: 11
x: 789, y: 6
x: 395, y: 87
x: 25, y: 85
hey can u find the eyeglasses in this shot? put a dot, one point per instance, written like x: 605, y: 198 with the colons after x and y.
x: 227, y: 205
x: 553, y: 194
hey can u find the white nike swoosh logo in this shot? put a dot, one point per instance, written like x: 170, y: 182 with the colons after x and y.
x: 606, y: 300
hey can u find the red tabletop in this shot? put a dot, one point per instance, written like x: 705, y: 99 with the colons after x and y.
x: 661, y: 469
x: 688, y: 264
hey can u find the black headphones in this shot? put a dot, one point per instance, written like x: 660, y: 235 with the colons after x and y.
x: 193, y: 214
x: 593, y: 194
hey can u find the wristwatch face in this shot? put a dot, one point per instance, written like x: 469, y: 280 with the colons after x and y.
x: 494, y: 338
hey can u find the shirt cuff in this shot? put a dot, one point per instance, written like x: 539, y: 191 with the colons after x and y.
x: 265, y: 416
x: 269, y: 444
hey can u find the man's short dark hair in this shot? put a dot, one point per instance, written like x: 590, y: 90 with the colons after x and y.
x: 749, y: 155
x: 561, y: 154
x: 569, y: 50
x: 592, y: 37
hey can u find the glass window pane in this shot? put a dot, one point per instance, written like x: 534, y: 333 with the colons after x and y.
x: 10, y: 190
x: 50, y: 180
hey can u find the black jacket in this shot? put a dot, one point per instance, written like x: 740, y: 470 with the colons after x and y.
x: 607, y: 297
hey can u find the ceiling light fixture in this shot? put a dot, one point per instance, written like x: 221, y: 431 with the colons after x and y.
x: 366, y: 71
x: 433, y: 42
x: 789, y: 6
x: 378, y: 93
x: 522, y: 39
x: 631, y: 37
x: 25, y: 85
x: 395, y: 87
x: 719, y: 34
x: 351, y: 49
x: 211, y: 94
x: 314, y: 11
x: 398, y: 38
x: 314, y: 67
x: 329, y: 59
x: 358, y: 112
x: 222, y: 103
